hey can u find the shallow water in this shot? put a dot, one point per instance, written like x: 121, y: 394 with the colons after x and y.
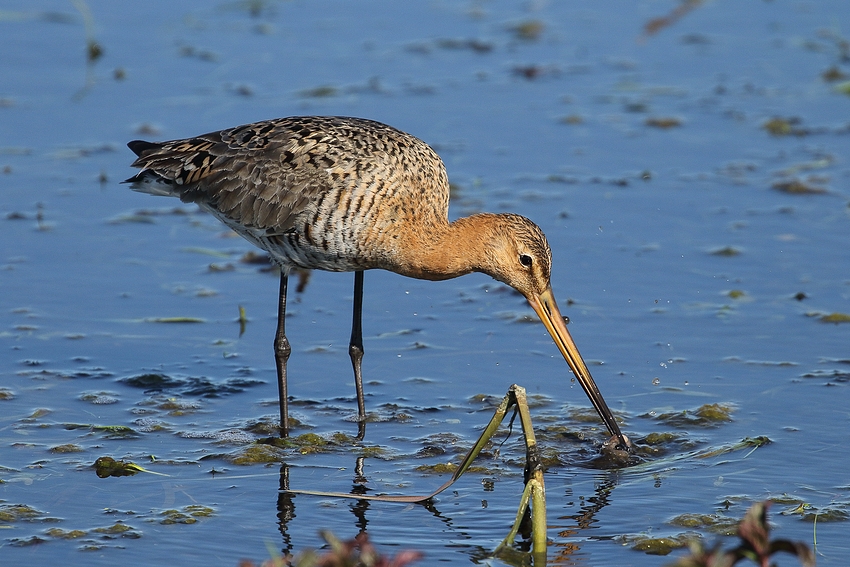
x: 689, y: 275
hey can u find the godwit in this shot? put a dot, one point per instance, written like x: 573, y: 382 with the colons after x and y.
x: 348, y: 195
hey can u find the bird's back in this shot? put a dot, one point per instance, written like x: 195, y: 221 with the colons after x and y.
x: 316, y: 192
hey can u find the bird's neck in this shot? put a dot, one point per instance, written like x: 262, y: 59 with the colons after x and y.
x: 448, y: 250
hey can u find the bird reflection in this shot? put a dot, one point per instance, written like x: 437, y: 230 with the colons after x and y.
x: 572, y: 528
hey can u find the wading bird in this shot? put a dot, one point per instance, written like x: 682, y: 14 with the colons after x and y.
x: 348, y: 195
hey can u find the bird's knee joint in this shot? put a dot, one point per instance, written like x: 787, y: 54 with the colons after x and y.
x: 355, y: 351
x: 281, y: 347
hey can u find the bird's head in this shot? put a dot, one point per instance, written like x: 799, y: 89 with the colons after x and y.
x: 519, y: 255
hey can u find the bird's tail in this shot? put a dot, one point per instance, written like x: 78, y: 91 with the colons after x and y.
x: 147, y: 180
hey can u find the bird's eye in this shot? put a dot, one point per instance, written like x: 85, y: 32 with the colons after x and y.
x: 525, y: 260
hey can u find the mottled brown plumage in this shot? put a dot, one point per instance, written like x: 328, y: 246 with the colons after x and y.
x: 348, y: 194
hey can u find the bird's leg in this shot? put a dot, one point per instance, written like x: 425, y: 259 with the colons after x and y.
x: 355, y: 351
x: 282, y: 351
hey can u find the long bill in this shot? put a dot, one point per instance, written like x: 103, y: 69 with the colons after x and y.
x: 547, y: 309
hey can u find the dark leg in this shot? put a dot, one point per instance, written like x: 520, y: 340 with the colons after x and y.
x: 281, y: 355
x: 355, y: 351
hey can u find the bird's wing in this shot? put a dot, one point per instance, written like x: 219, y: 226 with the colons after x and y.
x: 258, y: 175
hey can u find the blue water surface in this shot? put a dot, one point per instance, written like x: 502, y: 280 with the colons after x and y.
x: 689, y: 276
